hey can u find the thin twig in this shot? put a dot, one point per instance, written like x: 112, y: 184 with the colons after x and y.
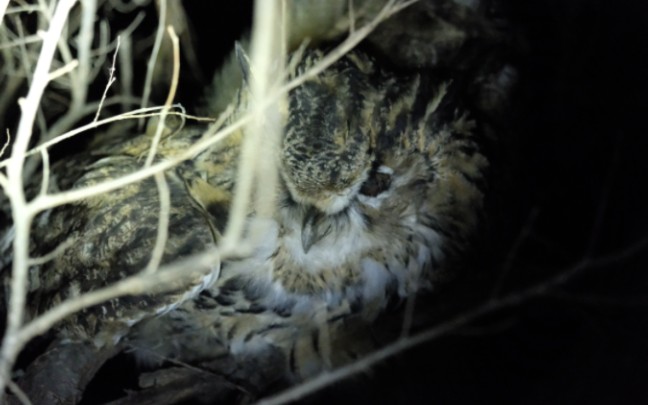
x: 6, y: 144
x: 126, y: 67
x: 347, y: 45
x: 170, y: 97
x: 159, y: 35
x: 22, y: 9
x: 195, y: 369
x: 163, y: 187
x: 19, y: 393
x: 135, y: 114
x: 37, y: 261
x: 163, y: 223
x: 264, y: 130
x: 514, y: 250
x: 602, y: 300
x: 175, y: 275
x: 4, y: 182
x: 30, y: 39
x: 81, y: 80
x: 603, y: 200
x: 27, y: 65
x: 351, y: 17
x: 3, y: 9
x: 111, y: 80
x: 103, y: 49
x: 63, y: 70
x: 46, y: 171
x: 53, y: 200
x: 21, y: 215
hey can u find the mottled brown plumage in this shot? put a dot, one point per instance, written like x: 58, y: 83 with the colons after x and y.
x: 381, y: 176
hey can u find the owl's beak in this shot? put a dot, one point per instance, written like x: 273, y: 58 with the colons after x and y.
x: 314, y: 228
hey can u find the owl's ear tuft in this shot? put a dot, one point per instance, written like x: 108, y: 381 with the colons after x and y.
x: 244, y: 62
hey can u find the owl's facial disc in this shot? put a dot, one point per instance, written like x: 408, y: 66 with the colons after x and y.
x: 325, y: 170
x: 327, y: 151
x: 327, y: 201
x: 324, y: 185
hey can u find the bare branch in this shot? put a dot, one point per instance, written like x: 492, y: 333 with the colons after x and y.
x: 3, y: 9
x: 36, y: 261
x: 63, y: 70
x: 163, y: 188
x: 347, y: 45
x: 7, y: 142
x: 169, y: 100
x: 21, y: 215
x: 150, y: 69
x: 173, y: 276
x: 513, y: 251
x: 52, y: 200
x: 85, y: 37
x: 126, y: 67
x: 46, y: 172
x: 30, y: 39
x: 20, y: 394
x: 266, y: 47
x: 135, y: 114
x: 111, y: 80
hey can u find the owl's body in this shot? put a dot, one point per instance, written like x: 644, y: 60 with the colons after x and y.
x: 380, y: 179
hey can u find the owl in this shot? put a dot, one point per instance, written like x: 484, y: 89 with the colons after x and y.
x: 382, y: 183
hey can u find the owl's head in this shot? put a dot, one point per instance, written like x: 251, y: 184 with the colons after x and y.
x: 328, y: 171
x: 327, y: 150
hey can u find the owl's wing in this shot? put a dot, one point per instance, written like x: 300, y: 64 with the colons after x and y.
x: 113, y: 236
x: 106, y: 238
